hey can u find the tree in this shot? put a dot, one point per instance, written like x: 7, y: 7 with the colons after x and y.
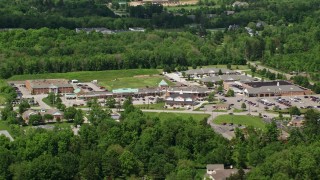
x: 220, y: 72
x: 280, y: 116
x: 211, y: 97
x: 228, y: 66
x: 48, y: 117
x: 70, y: 113
x: 35, y: 119
x: 78, y: 119
x: 184, y: 74
x: 230, y: 93
x: 220, y: 88
x: 209, y: 84
x: 243, y: 106
x: 294, y: 110
x: 127, y: 102
x: 272, y: 132
x: 111, y: 102
x: 23, y: 106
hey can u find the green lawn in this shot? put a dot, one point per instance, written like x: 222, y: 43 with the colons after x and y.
x: 111, y: 79
x: 166, y: 115
x: 159, y: 106
x: 240, y: 119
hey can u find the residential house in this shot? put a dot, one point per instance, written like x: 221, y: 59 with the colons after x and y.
x: 218, y: 172
x: 240, y: 4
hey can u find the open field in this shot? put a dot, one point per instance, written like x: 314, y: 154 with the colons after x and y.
x: 240, y: 119
x: 157, y: 106
x: 165, y: 115
x: 112, y: 79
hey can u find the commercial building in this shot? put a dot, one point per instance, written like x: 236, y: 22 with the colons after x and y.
x: 45, y: 86
x: 195, y: 91
x: 180, y: 99
x: 273, y: 88
x: 209, y: 72
x: 227, y: 78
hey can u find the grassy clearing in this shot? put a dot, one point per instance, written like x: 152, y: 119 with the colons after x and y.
x: 112, y: 79
x: 240, y: 119
x: 166, y: 115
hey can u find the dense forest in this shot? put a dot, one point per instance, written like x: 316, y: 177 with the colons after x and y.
x: 62, y: 50
x: 140, y: 146
x: 284, y: 35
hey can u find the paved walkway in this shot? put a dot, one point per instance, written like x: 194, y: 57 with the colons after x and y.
x: 7, y: 134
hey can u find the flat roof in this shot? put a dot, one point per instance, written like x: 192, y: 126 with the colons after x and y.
x: 267, y: 83
x: 125, y: 90
x: 49, y: 83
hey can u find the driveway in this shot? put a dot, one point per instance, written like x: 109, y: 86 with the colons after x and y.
x: 7, y: 134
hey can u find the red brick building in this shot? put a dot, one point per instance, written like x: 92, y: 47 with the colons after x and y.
x: 45, y: 86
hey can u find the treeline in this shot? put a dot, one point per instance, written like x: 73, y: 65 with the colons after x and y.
x: 138, y: 146
x: 47, y: 50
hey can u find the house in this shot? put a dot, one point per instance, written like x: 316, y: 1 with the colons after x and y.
x: 180, y: 99
x: 27, y: 114
x: 296, y: 121
x: 240, y: 4
x: 57, y: 114
x: 218, y: 172
x: 137, y: 29
x: 45, y: 86
x: 230, y: 12
x: 221, y: 107
x: 163, y: 84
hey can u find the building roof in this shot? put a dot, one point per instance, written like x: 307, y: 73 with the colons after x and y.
x: 49, y: 83
x: 125, y: 90
x: 163, y: 83
x: 209, y: 71
x: 267, y: 83
x: 214, y: 166
x: 191, y: 90
x: 226, y: 77
x: 274, y: 89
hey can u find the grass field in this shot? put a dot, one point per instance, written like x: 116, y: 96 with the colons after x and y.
x: 165, y: 115
x: 112, y: 79
x: 240, y: 119
x: 2, y: 96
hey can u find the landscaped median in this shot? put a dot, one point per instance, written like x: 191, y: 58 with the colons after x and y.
x: 246, y: 120
x: 168, y: 115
